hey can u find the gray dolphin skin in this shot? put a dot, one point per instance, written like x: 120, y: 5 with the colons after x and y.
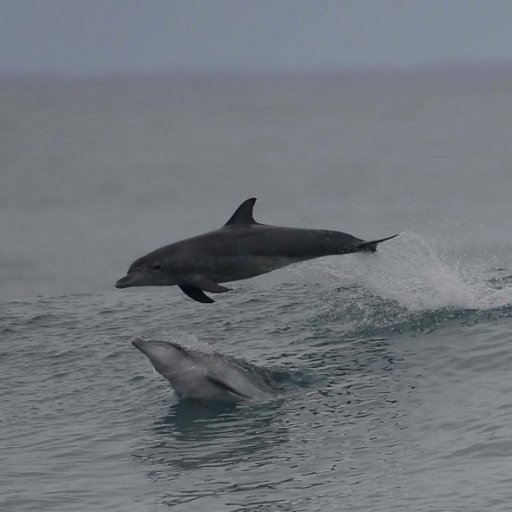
x: 241, y: 249
x: 204, y: 375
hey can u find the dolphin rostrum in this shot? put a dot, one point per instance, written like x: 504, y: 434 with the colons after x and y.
x: 241, y: 249
x: 204, y: 375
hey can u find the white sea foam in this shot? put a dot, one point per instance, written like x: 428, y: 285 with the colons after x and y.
x: 416, y: 274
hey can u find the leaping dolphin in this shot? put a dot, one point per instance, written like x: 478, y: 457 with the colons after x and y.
x: 241, y: 249
x: 203, y: 375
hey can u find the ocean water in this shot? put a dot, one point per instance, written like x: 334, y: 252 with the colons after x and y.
x: 393, y: 368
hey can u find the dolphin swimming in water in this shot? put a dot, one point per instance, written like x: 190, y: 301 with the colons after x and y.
x: 204, y: 375
x: 241, y: 249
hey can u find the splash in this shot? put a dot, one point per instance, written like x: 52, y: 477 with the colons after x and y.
x: 185, y: 339
x: 415, y: 274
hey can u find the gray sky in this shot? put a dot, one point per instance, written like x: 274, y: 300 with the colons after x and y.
x: 101, y: 36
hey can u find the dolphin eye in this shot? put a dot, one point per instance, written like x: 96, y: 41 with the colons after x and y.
x: 156, y: 267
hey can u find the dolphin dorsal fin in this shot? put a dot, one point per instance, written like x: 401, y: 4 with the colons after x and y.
x: 243, y: 214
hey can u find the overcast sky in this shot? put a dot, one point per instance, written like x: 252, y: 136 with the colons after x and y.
x: 102, y: 36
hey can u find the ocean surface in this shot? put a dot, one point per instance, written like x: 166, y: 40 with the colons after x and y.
x: 393, y: 369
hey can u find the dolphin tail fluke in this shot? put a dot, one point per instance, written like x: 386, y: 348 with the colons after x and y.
x: 371, y: 246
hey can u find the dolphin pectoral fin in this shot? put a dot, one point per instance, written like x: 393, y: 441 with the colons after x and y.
x: 204, y: 283
x: 193, y: 286
x: 195, y: 293
x: 224, y: 386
